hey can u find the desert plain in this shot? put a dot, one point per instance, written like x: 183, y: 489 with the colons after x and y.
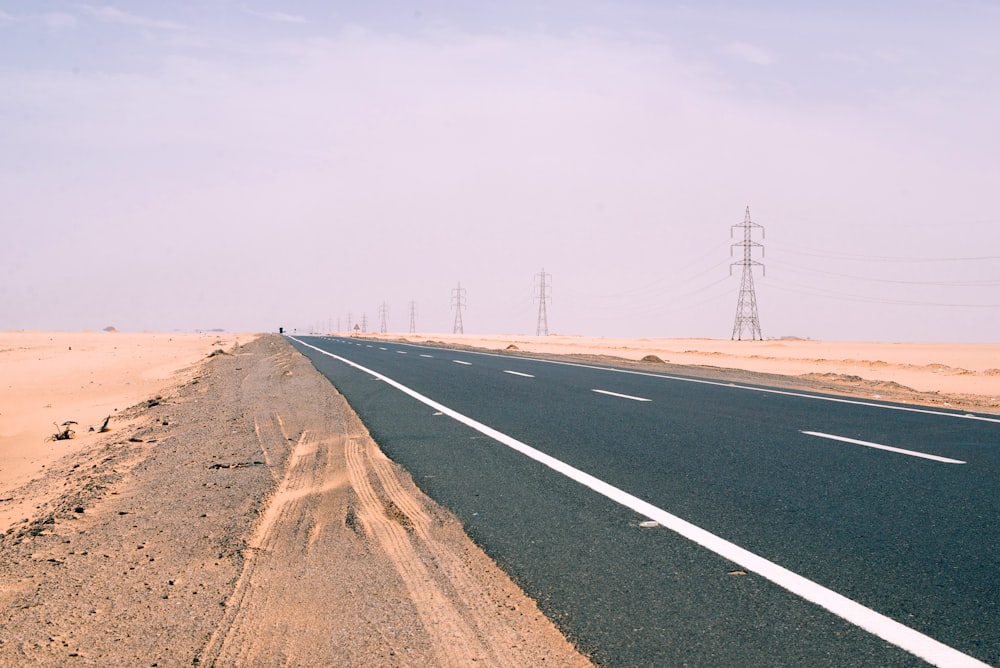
x: 222, y: 520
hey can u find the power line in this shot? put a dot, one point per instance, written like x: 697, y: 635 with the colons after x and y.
x: 812, y: 291
x: 961, y: 284
x: 665, y: 284
x: 746, y: 307
x: 811, y: 252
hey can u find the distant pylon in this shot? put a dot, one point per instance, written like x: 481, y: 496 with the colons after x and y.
x: 747, y: 319
x: 383, y: 312
x: 413, y: 317
x: 364, y: 323
x: 350, y: 323
x: 458, y: 303
x: 543, y: 297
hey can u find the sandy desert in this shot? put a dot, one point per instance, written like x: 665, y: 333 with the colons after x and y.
x: 219, y: 515
x: 53, y: 377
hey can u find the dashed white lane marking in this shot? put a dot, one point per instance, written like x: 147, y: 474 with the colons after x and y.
x: 748, y: 388
x: 431, y: 356
x: 462, y: 362
x: 381, y: 348
x: 518, y: 373
x: 622, y: 396
x: 879, y: 446
x: 401, y: 352
x: 900, y: 635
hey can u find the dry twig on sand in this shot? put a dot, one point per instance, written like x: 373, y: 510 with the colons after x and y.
x: 63, y: 432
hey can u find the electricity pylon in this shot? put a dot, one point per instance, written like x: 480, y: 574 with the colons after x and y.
x: 413, y: 317
x: 383, y: 312
x: 747, y: 319
x: 458, y: 303
x: 543, y: 297
x: 364, y: 323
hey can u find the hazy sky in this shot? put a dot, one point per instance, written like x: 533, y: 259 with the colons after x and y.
x: 244, y: 165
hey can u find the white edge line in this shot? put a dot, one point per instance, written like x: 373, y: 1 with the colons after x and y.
x: 900, y: 635
x: 623, y: 396
x: 719, y: 383
x: 879, y: 446
x: 518, y: 373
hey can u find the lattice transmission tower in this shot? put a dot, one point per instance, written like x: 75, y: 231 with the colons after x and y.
x: 413, y: 317
x: 383, y: 312
x: 543, y: 295
x: 747, y: 319
x: 364, y: 323
x: 458, y: 303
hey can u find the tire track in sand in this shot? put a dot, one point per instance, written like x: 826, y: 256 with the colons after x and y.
x: 384, y: 520
x: 350, y: 564
x: 242, y: 608
x: 458, y: 578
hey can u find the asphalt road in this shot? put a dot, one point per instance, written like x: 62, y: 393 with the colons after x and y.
x: 788, y: 534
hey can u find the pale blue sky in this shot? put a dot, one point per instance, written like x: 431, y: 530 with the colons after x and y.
x: 244, y: 165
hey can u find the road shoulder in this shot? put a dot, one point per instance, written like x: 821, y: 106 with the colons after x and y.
x: 246, y: 517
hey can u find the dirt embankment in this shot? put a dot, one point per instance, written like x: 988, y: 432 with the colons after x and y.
x: 246, y: 518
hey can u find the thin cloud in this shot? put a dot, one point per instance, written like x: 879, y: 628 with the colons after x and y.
x: 110, y: 14
x: 59, y: 21
x: 843, y: 57
x: 749, y: 53
x: 278, y: 17
x: 581, y: 142
x: 52, y: 20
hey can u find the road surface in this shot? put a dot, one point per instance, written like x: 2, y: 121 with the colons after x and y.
x: 662, y: 520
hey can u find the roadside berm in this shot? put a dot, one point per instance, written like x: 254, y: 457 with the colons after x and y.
x: 246, y: 518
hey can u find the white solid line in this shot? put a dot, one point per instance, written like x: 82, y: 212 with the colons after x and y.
x: 518, y: 373
x: 869, y: 444
x: 749, y: 388
x: 900, y: 635
x: 623, y: 396
x: 462, y: 362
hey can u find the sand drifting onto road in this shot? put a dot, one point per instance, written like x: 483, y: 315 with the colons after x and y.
x: 966, y: 375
